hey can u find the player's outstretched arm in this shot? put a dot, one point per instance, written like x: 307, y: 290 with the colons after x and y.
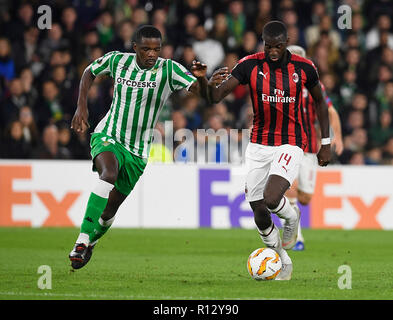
x: 324, y: 154
x: 79, y: 122
x: 337, y: 141
x: 199, y: 87
x: 221, y: 83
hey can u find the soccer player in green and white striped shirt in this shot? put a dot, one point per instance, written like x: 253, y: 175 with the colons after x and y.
x: 120, y: 143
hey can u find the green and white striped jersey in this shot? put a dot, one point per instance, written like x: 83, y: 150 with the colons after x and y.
x: 138, y: 97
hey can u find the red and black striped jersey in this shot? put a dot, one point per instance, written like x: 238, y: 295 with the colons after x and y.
x: 276, y: 90
x: 310, y: 117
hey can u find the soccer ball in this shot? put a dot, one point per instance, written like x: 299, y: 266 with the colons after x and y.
x: 264, y: 264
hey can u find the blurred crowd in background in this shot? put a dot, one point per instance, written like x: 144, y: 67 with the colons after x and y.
x: 40, y: 69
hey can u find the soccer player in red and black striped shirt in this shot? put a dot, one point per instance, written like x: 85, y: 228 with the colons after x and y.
x: 276, y: 79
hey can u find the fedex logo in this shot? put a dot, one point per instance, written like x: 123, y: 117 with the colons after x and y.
x: 234, y: 205
x: 360, y: 200
x: 57, y: 208
x: 343, y: 199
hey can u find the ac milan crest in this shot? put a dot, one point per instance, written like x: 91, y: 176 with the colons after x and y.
x: 295, y: 77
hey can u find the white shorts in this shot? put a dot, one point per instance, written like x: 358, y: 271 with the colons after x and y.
x: 308, y: 173
x: 263, y: 161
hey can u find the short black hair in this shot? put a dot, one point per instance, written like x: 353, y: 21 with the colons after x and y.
x: 146, y: 31
x: 274, y: 29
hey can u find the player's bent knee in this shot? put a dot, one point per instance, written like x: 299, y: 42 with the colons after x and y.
x: 109, y: 176
x: 272, y: 201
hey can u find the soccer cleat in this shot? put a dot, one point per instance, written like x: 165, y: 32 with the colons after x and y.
x: 285, y: 273
x: 289, y: 235
x: 77, y: 255
x: 89, y: 253
x: 299, y: 246
x: 81, y: 255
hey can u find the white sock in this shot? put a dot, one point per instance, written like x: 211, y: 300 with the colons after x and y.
x: 106, y: 223
x: 271, y: 238
x: 285, y: 210
x: 83, y: 238
x: 299, y: 233
x: 292, y: 201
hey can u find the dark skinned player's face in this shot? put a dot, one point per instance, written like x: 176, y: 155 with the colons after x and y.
x: 147, y: 52
x: 275, y: 47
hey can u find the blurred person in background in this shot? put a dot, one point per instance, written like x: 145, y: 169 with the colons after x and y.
x: 13, y: 102
x: 105, y: 28
x: 77, y: 144
x: 263, y: 15
x: 124, y: 9
x: 123, y: 37
x: 64, y: 136
x: 220, y: 31
x: 159, y: 20
x: 221, y: 109
x: 159, y: 152
x: 15, y: 28
x: 249, y: 44
x: 354, y: 120
x: 29, y: 90
x: 53, y: 40
x: 237, y: 23
x: 69, y: 18
x: 96, y: 104
x: 29, y: 126
x: 185, y: 34
x: 216, y: 142
x: 90, y: 40
x: 181, y: 151
x: 385, y: 98
x: 49, y: 108
x: 347, y: 87
x: 7, y: 65
x: 67, y: 86
x: 373, y: 59
x: 50, y: 148
x: 15, y: 145
x: 357, y: 159
x: 387, y: 154
x: 356, y: 141
x: 383, y: 24
x: 25, y: 52
x: 207, y: 50
x: 139, y: 16
x: 373, y: 156
x: 167, y: 51
x: 190, y: 106
x: 314, y: 32
x: 187, y: 56
x: 380, y: 133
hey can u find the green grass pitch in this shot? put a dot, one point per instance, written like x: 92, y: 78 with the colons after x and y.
x: 191, y: 264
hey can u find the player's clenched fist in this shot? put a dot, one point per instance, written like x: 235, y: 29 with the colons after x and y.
x: 324, y: 155
x: 79, y: 121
